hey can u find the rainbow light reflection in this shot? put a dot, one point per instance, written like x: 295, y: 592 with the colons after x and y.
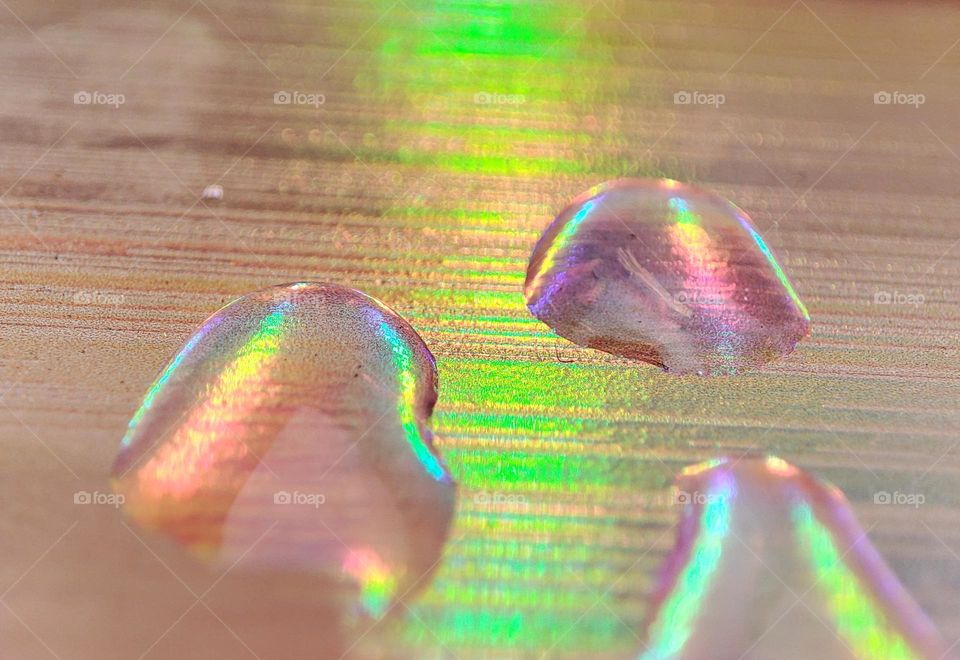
x: 858, y: 620
x: 785, y: 537
x: 407, y: 397
x: 680, y: 610
x: 179, y: 468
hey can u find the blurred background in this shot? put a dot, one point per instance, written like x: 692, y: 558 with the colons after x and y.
x: 160, y: 159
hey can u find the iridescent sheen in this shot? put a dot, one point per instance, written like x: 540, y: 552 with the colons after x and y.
x: 771, y: 563
x: 655, y: 270
x: 291, y: 431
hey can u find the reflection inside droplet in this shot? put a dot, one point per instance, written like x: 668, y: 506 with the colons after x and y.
x: 290, y: 433
x: 658, y: 271
x: 770, y: 563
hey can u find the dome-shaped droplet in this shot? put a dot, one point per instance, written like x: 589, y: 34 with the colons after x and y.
x: 770, y: 563
x: 658, y: 271
x: 290, y: 431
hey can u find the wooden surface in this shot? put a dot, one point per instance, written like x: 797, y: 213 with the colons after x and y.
x: 404, y: 184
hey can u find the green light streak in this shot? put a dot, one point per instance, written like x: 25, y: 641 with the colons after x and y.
x: 436, y: 61
x: 683, y: 213
x: 562, y: 241
x: 407, y: 401
x: 857, y: 619
x: 676, y: 618
x: 776, y: 267
x: 162, y: 379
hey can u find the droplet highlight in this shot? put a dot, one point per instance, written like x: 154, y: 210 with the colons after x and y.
x: 290, y: 432
x: 659, y: 271
x: 771, y: 563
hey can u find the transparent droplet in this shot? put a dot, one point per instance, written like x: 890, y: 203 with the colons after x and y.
x: 655, y: 270
x: 770, y: 563
x: 290, y: 432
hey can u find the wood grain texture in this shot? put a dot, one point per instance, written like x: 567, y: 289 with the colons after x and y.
x: 400, y: 184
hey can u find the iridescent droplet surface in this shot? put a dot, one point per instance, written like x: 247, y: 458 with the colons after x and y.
x: 290, y: 433
x: 770, y: 563
x: 656, y: 270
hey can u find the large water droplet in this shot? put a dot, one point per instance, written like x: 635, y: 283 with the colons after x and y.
x: 658, y: 271
x: 770, y: 563
x: 290, y: 431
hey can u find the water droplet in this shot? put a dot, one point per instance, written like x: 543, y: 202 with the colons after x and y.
x: 655, y: 270
x: 771, y: 563
x: 213, y: 192
x: 290, y: 432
